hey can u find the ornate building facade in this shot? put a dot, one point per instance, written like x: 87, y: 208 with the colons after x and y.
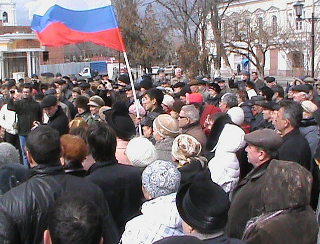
x: 266, y: 32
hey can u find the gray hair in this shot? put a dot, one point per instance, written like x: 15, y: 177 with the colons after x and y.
x: 191, y: 112
x: 230, y: 100
x: 292, y: 111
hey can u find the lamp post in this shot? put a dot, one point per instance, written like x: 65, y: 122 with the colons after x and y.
x: 298, y: 7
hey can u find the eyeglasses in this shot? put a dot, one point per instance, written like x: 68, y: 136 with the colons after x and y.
x: 183, y: 117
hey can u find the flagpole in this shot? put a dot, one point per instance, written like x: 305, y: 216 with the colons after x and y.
x: 136, y: 101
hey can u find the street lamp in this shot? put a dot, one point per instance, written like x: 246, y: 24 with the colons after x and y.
x: 298, y: 7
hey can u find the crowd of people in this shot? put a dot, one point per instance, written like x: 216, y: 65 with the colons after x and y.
x: 181, y: 160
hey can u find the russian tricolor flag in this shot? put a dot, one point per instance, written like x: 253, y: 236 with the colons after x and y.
x: 62, y: 22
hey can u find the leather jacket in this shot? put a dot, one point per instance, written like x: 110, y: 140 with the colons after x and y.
x: 24, y: 209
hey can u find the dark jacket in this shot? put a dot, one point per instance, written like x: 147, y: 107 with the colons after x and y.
x: 24, y: 209
x: 189, y: 171
x: 258, y: 122
x: 28, y: 110
x: 295, y: 148
x: 121, y: 185
x: 287, y: 216
x: 246, y: 201
x: 195, y: 130
x: 59, y: 121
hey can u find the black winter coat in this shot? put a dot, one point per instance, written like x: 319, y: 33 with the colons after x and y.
x: 28, y: 110
x: 24, y: 209
x: 59, y: 121
x: 121, y: 185
x: 295, y: 148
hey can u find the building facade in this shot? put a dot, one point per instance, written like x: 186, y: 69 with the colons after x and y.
x: 267, y: 32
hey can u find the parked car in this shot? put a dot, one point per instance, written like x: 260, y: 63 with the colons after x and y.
x: 170, y: 69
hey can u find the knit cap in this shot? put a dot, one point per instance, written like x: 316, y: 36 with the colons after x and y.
x: 161, y: 178
x: 141, y: 152
x: 166, y: 126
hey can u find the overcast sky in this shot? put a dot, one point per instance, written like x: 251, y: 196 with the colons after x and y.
x: 22, y: 12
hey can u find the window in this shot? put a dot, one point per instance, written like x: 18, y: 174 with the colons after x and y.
x: 274, y: 25
x: 298, y: 25
x: 45, y: 56
x: 4, y: 17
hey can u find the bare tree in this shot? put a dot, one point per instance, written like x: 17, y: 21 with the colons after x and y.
x: 145, y: 38
x: 251, y: 37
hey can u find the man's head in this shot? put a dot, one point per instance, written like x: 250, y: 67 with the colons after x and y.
x: 268, y: 108
x: 74, y: 219
x: 26, y: 91
x: 262, y: 146
x: 102, y: 142
x: 178, y: 72
x: 271, y: 81
x: 214, y: 89
x: 255, y: 75
x: 194, y: 85
x: 228, y: 101
x: 245, y: 75
x: 43, y: 146
x: 301, y: 93
x: 95, y: 103
x: 278, y: 93
x: 152, y: 99
x: 49, y: 104
x: 189, y: 114
x: 162, y: 76
x: 288, y: 117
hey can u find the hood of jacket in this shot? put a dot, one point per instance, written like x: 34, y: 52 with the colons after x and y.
x: 231, y: 139
x: 287, y: 185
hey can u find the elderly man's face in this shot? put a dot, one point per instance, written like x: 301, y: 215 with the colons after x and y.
x: 178, y: 72
x: 280, y: 122
x: 183, y: 120
x: 299, y: 96
x: 253, y: 154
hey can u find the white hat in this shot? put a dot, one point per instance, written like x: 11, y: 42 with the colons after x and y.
x: 236, y: 115
x: 141, y: 152
x: 168, y: 100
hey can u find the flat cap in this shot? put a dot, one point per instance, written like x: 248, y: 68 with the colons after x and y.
x: 309, y: 80
x: 301, y: 88
x: 193, y: 82
x: 215, y: 86
x: 266, y: 139
x: 179, y: 84
x: 269, y: 105
x: 48, y: 101
x: 257, y: 100
x: 96, y: 101
x: 269, y: 79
